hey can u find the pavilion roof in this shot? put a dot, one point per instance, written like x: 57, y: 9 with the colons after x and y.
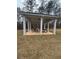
x: 37, y: 14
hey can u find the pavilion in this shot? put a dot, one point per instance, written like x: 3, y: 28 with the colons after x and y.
x: 41, y: 21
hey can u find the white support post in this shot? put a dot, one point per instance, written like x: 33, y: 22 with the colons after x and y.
x: 48, y: 27
x: 28, y: 26
x: 55, y: 26
x: 41, y: 24
x: 24, y: 26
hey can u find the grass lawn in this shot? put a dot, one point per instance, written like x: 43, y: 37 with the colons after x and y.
x: 38, y: 47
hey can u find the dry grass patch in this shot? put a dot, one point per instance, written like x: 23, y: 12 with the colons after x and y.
x: 38, y: 47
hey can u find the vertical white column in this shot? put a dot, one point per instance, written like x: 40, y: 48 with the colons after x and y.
x: 41, y: 24
x: 24, y: 26
x: 28, y: 26
x: 55, y: 26
x: 48, y: 27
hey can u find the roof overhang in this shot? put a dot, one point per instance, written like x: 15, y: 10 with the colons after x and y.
x: 37, y: 15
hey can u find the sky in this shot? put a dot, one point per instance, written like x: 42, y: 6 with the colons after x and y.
x: 20, y: 3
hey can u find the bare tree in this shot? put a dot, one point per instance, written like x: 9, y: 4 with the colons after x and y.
x: 53, y: 6
x: 49, y: 6
x: 41, y: 8
x: 29, y: 5
x: 18, y: 15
